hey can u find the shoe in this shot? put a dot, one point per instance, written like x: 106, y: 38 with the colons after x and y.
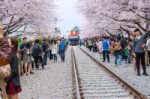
x: 116, y: 65
x: 45, y: 63
x: 24, y: 74
x: 145, y: 74
x: 27, y: 74
x: 31, y: 72
x: 37, y: 68
x: 138, y: 74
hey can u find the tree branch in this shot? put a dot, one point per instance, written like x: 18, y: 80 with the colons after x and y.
x: 12, y: 26
x: 140, y: 26
x: 126, y: 30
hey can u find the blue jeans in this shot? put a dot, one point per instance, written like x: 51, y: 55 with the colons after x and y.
x: 62, y: 54
x: 55, y: 57
x: 106, y: 55
x: 118, y: 59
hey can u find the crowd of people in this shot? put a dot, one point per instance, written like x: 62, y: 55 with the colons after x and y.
x: 33, y: 54
x: 20, y: 59
x: 131, y: 49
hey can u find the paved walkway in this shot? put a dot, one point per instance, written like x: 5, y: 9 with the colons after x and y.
x: 127, y: 72
x: 54, y: 82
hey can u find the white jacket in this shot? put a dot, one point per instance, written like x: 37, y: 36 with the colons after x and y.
x: 54, y: 49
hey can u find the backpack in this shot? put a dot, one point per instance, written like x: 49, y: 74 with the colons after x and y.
x: 62, y: 46
x: 37, y: 50
x: 106, y: 45
x: 45, y: 47
x: 117, y: 47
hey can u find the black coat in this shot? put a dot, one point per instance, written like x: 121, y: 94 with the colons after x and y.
x: 14, y: 71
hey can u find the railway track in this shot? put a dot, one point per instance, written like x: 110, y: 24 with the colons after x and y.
x: 92, y: 80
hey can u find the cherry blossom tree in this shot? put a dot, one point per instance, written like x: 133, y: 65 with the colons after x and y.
x: 113, y: 16
x: 18, y: 14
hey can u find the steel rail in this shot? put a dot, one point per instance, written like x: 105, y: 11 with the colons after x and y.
x: 125, y: 85
x: 75, y: 72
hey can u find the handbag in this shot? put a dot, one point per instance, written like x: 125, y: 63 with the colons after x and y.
x: 5, y: 71
x: 5, y: 52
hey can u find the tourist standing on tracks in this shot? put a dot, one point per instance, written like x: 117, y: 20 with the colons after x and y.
x: 54, y: 50
x: 13, y: 81
x: 23, y: 54
x: 37, y: 52
x: 139, y: 46
x: 106, y: 49
x: 45, y: 50
x: 62, y: 48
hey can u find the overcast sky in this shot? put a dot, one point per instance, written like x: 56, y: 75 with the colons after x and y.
x: 69, y: 15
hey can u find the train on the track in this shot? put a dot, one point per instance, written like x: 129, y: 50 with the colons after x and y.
x: 74, y: 38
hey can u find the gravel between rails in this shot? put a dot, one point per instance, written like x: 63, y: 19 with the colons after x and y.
x: 54, y: 82
x: 127, y: 72
x: 95, y: 82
